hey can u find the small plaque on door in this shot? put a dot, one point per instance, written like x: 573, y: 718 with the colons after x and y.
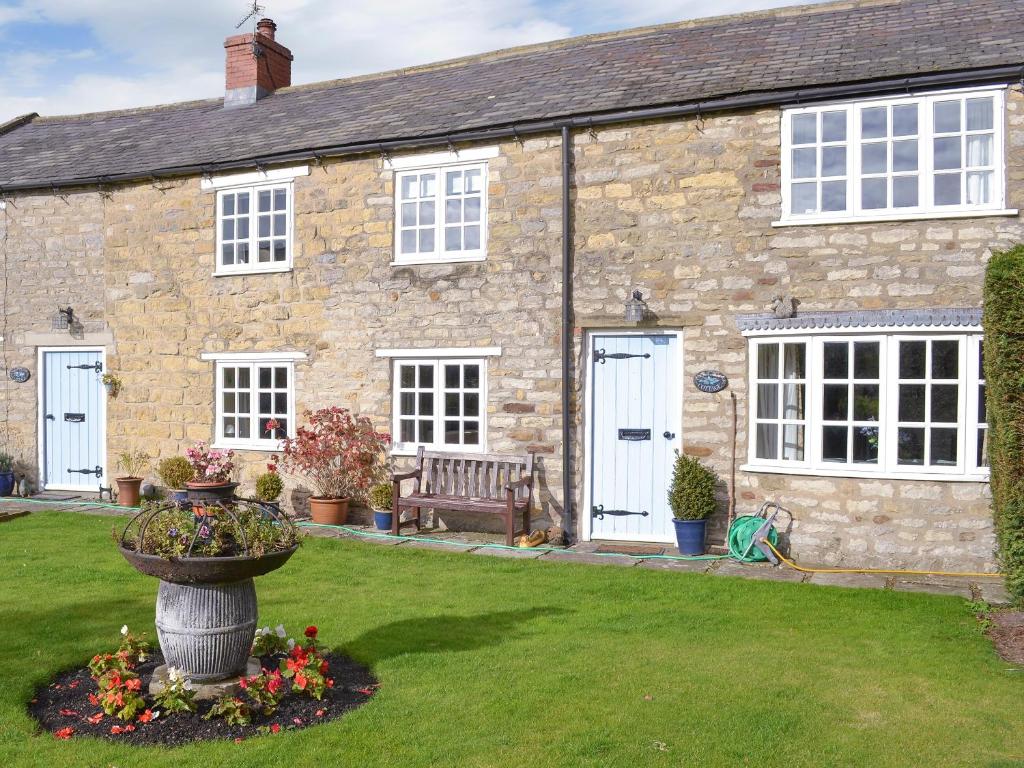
x: 634, y: 434
x: 77, y: 418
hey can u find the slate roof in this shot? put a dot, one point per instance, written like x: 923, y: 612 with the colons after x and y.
x: 795, y: 48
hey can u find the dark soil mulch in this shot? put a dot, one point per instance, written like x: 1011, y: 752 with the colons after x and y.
x: 69, y: 692
x: 1007, y: 633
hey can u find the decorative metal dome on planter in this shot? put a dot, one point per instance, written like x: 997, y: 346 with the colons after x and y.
x: 206, y: 553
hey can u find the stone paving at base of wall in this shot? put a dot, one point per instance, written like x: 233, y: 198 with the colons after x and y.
x: 989, y: 590
x: 474, y: 543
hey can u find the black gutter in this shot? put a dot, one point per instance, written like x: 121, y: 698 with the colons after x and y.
x: 567, y: 274
x: 1004, y: 74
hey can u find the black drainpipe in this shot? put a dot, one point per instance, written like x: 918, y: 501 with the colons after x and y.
x: 567, y: 275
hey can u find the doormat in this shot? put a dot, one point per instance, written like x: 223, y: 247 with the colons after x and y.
x: 630, y: 549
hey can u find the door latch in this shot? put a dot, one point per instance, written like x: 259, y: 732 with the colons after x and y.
x: 97, y: 366
x: 598, y: 511
x: 97, y: 470
x: 668, y: 435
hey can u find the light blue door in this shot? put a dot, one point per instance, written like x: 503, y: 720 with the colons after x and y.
x: 73, y: 414
x: 635, y: 422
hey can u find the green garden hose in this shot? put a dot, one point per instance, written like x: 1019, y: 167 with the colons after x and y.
x: 741, y: 539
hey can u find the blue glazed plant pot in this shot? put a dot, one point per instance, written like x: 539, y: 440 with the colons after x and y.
x: 690, y: 536
x: 382, y: 520
x: 178, y: 496
x: 7, y: 483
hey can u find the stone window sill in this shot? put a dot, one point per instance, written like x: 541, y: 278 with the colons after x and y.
x: 929, y: 216
x: 976, y: 477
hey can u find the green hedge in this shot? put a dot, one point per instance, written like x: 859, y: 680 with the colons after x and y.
x: 1004, y: 377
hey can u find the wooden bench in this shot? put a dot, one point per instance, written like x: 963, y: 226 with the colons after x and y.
x: 467, y: 482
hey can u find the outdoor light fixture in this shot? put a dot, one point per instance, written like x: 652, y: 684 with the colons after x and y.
x: 64, y: 319
x: 635, y: 308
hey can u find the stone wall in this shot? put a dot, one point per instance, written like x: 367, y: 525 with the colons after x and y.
x: 682, y: 209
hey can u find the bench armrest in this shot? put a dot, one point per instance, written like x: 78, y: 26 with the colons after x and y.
x: 397, y: 478
x: 526, y: 482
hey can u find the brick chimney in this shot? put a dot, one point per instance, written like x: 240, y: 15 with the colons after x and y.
x: 256, y: 65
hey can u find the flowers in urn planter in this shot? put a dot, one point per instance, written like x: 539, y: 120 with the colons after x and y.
x: 210, y: 465
x: 339, y: 453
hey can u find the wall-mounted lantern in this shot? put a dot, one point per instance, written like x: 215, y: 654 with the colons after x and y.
x: 63, y: 319
x: 635, y: 308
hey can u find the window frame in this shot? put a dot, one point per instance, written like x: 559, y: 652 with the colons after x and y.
x: 253, y: 364
x: 439, y: 165
x: 402, y: 448
x: 887, y: 467
x: 926, y: 208
x: 253, y: 266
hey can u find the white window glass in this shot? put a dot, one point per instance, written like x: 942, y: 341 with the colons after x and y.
x: 440, y: 213
x: 819, y: 162
x: 981, y: 427
x: 254, y: 228
x: 255, y: 404
x: 929, y: 394
x: 850, y: 401
x: 892, y: 157
x: 781, y: 397
x: 439, y: 404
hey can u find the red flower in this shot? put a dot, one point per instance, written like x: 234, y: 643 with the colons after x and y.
x: 323, y: 667
x: 275, y: 728
x: 93, y: 700
x: 300, y: 682
x: 116, y: 730
x: 274, y: 684
x: 64, y: 733
x: 94, y: 719
x: 146, y: 716
x: 320, y: 713
x: 133, y: 685
x: 238, y: 740
x: 68, y: 712
x: 73, y: 684
x: 297, y: 720
x: 330, y: 682
x: 243, y: 683
x: 311, y: 632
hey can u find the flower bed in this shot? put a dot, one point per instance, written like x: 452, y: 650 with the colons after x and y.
x: 110, y: 697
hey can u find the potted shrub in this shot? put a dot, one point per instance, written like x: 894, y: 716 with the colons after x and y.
x: 6, y: 474
x: 175, y: 472
x: 212, y: 470
x: 268, y: 487
x: 692, y: 499
x: 133, y: 464
x: 340, y: 455
x: 380, y: 503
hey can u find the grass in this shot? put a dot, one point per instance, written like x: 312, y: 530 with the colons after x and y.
x: 497, y: 662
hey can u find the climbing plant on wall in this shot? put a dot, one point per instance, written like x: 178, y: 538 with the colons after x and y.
x: 1003, y: 321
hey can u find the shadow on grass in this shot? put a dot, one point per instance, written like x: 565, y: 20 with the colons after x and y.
x: 439, y: 634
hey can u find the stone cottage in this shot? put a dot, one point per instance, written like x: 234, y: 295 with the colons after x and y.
x: 803, y: 200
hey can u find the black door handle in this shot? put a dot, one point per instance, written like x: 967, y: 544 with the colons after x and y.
x: 50, y: 417
x: 668, y: 435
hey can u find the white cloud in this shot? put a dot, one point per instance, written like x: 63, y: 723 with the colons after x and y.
x: 164, y: 52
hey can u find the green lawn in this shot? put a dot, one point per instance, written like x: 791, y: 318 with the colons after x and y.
x: 497, y: 662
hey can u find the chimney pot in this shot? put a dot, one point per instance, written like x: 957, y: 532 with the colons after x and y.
x: 266, y: 27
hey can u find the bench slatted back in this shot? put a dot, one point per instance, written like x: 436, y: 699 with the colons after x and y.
x: 472, y: 475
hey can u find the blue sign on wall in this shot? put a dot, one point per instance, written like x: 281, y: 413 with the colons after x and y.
x: 710, y: 381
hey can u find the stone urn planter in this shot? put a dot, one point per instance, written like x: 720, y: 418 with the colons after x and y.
x: 206, y: 608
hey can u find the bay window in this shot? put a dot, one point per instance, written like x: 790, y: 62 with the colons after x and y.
x: 869, y: 403
x: 894, y: 157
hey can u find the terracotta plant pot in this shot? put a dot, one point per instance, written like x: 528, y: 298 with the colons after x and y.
x: 329, y: 511
x: 128, y: 491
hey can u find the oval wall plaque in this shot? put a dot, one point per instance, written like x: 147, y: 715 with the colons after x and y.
x: 20, y: 375
x: 710, y: 381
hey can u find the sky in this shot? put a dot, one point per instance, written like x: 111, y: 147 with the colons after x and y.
x: 72, y: 56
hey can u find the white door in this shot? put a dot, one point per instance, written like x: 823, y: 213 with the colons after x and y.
x: 72, y: 419
x: 635, y: 418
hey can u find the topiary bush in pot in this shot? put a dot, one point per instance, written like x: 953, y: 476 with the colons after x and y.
x: 380, y: 503
x: 175, y: 472
x: 691, y: 496
x: 6, y: 474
